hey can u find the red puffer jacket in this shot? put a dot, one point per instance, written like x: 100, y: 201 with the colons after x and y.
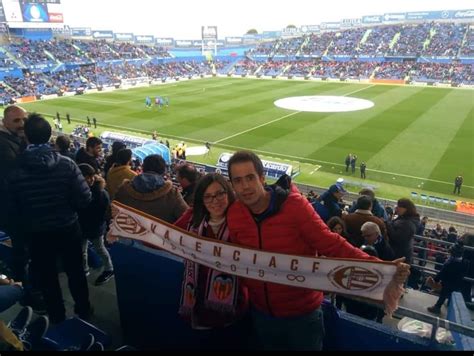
x: 292, y: 228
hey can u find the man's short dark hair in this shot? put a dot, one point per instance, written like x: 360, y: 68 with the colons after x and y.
x: 93, y: 142
x: 364, y: 202
x: 189, y: 172
x: 246, y: 156
x: 124, y: 156
x: 63, y: 143
x: 154, y: 163
x: 37, y: 129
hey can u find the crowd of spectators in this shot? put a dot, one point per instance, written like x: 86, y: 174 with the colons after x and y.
x: 346, y: 43
x: 431, y: 72
x: 273, y: 68
x: 378, y: 41
x: 447, y: 39
x: 393, y: 70
x: 411, y: 41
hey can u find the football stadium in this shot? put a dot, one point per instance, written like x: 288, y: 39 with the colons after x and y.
x: 297, y: 187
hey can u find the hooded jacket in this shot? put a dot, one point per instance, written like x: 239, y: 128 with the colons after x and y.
x: 150, y: 193
x: 46, y: 191
x: 290, y: 226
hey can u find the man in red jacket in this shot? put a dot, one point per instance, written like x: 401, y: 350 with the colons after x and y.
x: 279, y: 219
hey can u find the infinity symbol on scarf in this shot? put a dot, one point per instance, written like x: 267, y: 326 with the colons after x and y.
x: 292, y: 278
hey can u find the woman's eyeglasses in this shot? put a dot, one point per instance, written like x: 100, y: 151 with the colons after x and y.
x: 209, y: 198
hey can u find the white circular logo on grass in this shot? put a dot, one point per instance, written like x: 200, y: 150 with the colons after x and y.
x: 322, y: 103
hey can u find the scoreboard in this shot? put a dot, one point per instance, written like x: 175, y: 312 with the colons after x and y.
x: 32, y: 13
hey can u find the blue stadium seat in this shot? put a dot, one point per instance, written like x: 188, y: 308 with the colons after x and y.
x: 72, y: 333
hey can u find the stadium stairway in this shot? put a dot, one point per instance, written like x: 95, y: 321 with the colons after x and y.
x: 303, y: 45
x: 365, y: 37
x: 428, y: 40
x: 284, y: 70
x: 50, y: 55
x: 5, y: 84
x: 464, y: 40
x: 12, y: 58
x: 145, y: 55
x: 394, y: 40
x: 230, y: 67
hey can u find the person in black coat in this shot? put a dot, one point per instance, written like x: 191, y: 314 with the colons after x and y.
x: 44, y: 194
x: 373, y: 237
x: 402, y: 230
x: 348, y: 161
x: 451, y: 277
x: 93, y: 223
x: 468, y: 261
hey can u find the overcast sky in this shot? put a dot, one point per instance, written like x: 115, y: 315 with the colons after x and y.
x: 182, y: 19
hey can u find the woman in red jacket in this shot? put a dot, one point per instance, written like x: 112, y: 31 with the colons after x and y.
x: 212, y: 300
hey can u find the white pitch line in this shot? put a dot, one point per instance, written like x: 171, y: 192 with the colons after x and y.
x: 279, y: 119
x: 297, y: 158
x: 256, y: 127
x: 99, y: 101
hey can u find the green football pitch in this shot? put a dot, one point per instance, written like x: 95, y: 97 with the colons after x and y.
x: 414, y: 139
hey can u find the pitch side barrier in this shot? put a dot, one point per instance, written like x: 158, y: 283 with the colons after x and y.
x: 149, y: 285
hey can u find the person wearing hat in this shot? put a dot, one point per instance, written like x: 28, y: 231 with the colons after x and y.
x: 451, y: 277
x: 331, y: 200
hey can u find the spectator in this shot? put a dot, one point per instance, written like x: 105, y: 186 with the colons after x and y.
x: 150, y: 193
x: 204, y: 310
x: 451, y: 277
x: 278, y: 219
x: 372, y: 236
x: 377, y: 209
x: 402, y: 230
x: 452, y: 235
x: 44, y: 195
x: 90, y: 153
x: 331, y: 200
x: 12, y: 143
x: 120, y: 171
x: 187, y: 177
x: 93, y: 223
x: 338, y: 226
x: 63, y: 146
x: 355, y: 220
x: 111, y: 159
x: 468, y: 261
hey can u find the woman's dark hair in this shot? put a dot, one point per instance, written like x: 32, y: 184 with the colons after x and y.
x: 407, y: 204
x: 336, y: 220
x: 199, y: 209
